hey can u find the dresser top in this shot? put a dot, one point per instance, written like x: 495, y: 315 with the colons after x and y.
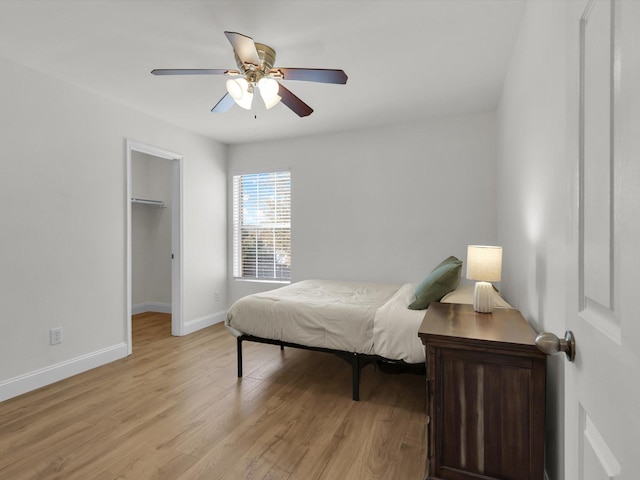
x: 504, y: 325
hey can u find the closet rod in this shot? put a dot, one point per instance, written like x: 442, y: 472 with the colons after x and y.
x: 146, y: 201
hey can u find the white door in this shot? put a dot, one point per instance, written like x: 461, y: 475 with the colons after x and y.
x: 602, y: 387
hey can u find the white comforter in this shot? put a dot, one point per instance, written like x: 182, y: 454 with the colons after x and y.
x: 395, y: 327
x: 370, y: 318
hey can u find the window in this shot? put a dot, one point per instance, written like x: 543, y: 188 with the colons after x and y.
x: 262, y: 226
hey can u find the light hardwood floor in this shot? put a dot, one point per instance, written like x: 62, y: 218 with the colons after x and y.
x: 175, y: 410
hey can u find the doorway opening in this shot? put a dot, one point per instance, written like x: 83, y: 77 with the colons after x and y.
x: 154, y: 180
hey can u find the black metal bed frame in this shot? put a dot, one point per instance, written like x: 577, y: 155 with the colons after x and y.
x: 357, y: 360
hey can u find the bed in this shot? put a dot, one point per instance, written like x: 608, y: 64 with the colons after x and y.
x: 360, y: 322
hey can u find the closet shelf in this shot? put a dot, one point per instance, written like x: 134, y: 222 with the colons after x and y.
x: 146, y: 201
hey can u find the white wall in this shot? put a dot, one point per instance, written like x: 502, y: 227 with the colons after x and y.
x: 384, y: 204
x: 532, y: 193
x: 151, y: 178
x: 62, y: 195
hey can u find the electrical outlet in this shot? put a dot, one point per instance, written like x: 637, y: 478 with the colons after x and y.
x: 216, y: 296
x: 55, y: 336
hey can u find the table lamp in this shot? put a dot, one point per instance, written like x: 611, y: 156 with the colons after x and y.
x: 484, y: 264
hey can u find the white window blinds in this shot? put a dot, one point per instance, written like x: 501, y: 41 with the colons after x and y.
x: 262, y: 226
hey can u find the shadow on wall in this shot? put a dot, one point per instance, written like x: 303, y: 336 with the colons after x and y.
x: 554, y: 431
x: 541, y: 284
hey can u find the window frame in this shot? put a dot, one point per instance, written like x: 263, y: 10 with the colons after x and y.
x: 238, y: 210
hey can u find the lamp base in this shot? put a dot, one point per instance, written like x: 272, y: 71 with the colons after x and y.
x: 483, y: 297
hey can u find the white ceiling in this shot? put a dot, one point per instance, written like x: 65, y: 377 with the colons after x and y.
x: 406, y: 60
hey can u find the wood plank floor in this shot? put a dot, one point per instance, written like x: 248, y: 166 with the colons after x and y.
x: 176, y: 410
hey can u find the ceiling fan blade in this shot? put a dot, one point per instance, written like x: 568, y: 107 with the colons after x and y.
x: 322, y: 75
x: 224, y: 104
x: 294, y: 103
x: 190, y: 71
x: 244, y: 47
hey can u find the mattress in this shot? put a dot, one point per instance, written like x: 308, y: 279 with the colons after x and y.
x: 317, y: 313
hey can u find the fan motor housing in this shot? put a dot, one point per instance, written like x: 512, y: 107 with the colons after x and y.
x: 267, y: 56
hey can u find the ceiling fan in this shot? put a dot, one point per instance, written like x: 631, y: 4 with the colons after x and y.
x: 255, y: 70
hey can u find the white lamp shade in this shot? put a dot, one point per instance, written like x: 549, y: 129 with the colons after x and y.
x: 484, y: 263
x: 269, y: 89
x: 239, y: 90
x: 236, y: 87
x: 269, y: 104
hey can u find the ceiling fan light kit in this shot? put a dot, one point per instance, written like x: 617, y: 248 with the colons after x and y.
x: 241, y: 92
x: 255, y: 62
x: 269, y: 89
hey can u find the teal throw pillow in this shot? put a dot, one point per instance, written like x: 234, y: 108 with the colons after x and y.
x: 447, y: 261
x: 442, y: 280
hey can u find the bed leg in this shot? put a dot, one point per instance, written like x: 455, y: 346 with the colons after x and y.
x: 239, y: 349
x: 281, y: 347
x: 355, y: 364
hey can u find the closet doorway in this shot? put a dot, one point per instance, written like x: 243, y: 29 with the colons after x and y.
x: 154, y: 234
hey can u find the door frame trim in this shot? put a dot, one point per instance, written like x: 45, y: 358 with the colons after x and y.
x: 177, y: 274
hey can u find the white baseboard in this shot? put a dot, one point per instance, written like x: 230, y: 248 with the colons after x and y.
x: 39, y: 378
x: 150, y: 307
x: 203, y: 322
x: 46, y: 376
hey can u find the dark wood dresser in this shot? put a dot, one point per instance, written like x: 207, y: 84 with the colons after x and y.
x: 485, y: 394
